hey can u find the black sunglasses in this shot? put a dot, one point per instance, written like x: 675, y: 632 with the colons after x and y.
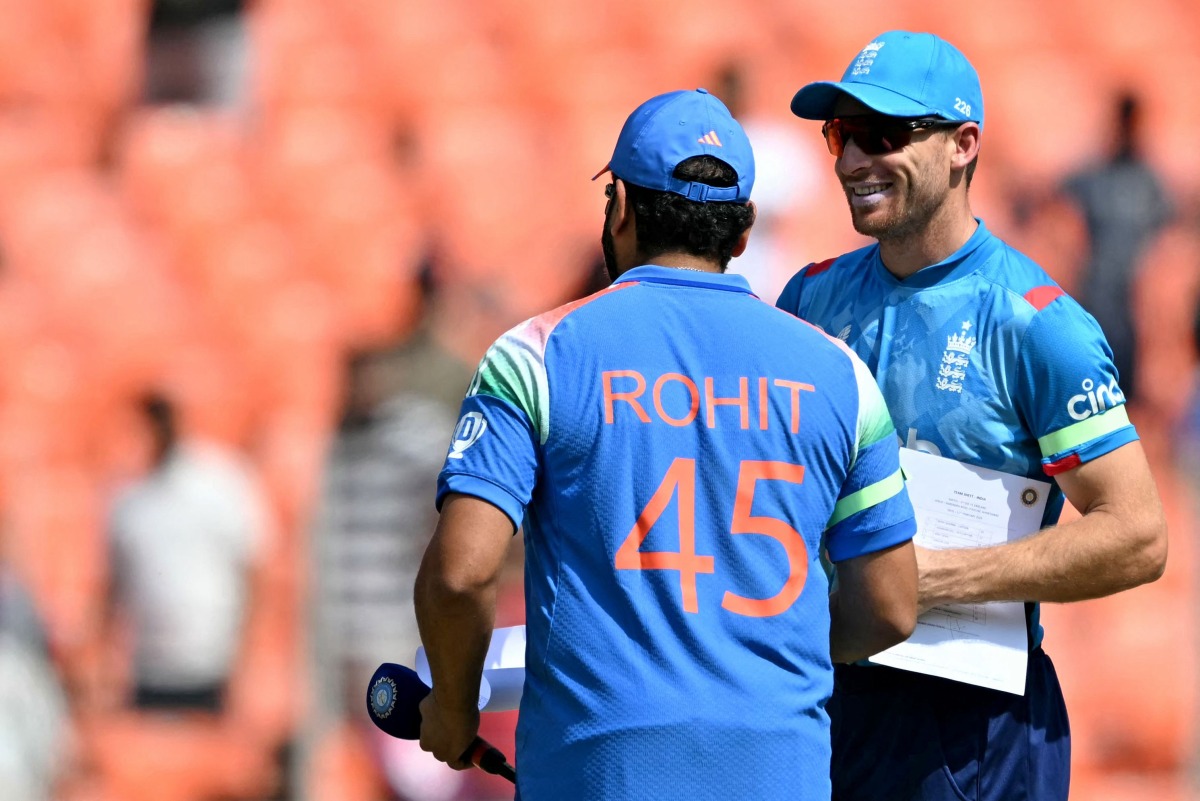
x: 876, y: 134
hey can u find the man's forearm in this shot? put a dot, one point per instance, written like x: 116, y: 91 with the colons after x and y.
x: 1119, y: 542
x: 456, y: 627
x: 855, y: 635
x: 875, y: 605
x: 1092, y: 557
x: 455, y: 597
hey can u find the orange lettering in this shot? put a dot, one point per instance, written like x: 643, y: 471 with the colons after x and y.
x: 681, y: 476
x: 762, y: 404
x: 742, y: 401
x: 792, y: 541
x: 693, y: 392
x: 611, y: 397
x: 795, y: 387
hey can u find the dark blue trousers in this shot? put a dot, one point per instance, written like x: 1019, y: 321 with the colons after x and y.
x: 902, y: 736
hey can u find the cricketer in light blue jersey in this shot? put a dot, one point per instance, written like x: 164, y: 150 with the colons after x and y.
x: 981, y: 358
x: 680, y: 456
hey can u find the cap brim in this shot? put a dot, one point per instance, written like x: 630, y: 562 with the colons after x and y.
x: 816, y: 101
x: 607, y: 168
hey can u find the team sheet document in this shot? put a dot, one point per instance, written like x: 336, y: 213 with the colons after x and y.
x: 963, y: 506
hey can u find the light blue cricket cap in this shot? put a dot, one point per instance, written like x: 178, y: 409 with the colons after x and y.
x: 671, y: 128
x: 902, y: 74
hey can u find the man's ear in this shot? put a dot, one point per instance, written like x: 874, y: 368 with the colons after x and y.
x: 622, y: 210
x: 966, y: 145
x: 744, y: 239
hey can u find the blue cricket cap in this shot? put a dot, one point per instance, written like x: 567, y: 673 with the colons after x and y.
x: 902, y: 74
x: 669, y: 129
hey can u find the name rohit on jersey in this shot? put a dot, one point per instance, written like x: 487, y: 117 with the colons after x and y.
x: 676, y: 399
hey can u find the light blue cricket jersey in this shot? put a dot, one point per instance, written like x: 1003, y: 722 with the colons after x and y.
x: 981, y: 358
x: 678, y: 452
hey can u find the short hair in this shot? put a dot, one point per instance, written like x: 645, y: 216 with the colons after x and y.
x: 668, y: 222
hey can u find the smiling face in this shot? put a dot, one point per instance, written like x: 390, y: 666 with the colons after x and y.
x: 894, y: 195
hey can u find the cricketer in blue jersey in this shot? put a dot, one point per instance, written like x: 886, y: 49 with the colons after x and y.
x: 679, y: 455
x: 981, y: 358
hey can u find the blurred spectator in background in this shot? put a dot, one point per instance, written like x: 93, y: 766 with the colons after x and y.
x: 197, y: 52
x: 1124, y: 206
x: 787, y: 179
x: 373, y: 521
x: 185, y: 541
x: 34, y: 728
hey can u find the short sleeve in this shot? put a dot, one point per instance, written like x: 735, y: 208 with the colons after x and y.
x: 1068, y: 390
x: 495, y: 450
x: 873, y: 511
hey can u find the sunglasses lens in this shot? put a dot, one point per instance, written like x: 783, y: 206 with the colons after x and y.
x: 874, y: 137
x: 832, y: 131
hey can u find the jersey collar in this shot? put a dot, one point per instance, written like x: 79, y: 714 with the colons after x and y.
x: 962, y: 262
x: 654, y: 274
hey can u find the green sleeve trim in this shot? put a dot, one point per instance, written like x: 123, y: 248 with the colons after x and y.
x: 874, y: 420
x: 867, y: 497
x: 1073, y: 436
x: 513, y: 370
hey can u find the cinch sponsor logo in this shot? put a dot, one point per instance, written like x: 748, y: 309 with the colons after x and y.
x: 1094, y: 399
x: 676, y: 399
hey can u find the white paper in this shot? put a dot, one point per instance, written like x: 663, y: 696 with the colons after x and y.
x: 503, y: 670
x: 963, y: 506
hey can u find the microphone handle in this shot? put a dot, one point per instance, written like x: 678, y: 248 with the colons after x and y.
x: 489, y: 759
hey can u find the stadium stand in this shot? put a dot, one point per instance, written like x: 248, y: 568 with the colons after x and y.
x: 236, y: 255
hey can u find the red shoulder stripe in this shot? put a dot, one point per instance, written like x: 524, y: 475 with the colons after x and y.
x: 1042, y: 296
x: 819, y: 267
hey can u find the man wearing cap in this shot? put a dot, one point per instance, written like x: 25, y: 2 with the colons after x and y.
x: 678, y: 454
x: 983, y: 359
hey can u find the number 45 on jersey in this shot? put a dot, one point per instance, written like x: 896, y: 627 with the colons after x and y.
x: 681, y: 479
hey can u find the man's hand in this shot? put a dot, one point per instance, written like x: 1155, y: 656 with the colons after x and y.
x: 445, y: 734
x: 1119, y: 542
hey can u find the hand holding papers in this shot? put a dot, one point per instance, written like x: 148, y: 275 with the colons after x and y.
x: 962, y: 506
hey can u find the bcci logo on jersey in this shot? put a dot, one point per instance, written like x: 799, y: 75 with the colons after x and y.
x: 1094, y: 399
x: 470, y: 429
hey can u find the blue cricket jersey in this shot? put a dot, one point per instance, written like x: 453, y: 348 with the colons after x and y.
x: 679, y: 454
x: 981, y: 357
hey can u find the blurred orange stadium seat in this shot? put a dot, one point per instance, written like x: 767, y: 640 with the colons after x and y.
x: 184, y: 758
x: 216, y: 393
x: 305, y: 145
x: 55, y: 540
x: 1019, y: 93
x: 289, y: 453
x: 106, y: 47
x: 321, y: 71
x: 180, y: 165
x: 342, y: 767
x: 1166, y: 298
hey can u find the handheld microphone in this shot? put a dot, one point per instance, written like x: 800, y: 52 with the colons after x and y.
x: 394, y: 697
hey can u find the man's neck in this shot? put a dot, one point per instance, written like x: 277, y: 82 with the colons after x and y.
x: 684, y: 261
x: 946, y: 232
